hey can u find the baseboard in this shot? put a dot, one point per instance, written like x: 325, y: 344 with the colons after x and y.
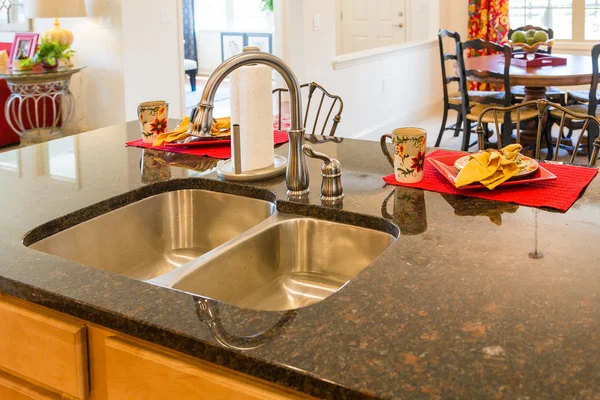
x: 404, y: 120
x: 205, y: 72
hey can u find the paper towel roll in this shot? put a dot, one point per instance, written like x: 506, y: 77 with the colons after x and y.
x: 252, y: 103
x: 234, y: 90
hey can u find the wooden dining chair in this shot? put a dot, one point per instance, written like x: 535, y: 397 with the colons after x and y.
x: 519, y: 112
x: 590, y: 108
x: 334, y: 104
x: 541, y: 107
x: 553, y: 94
x: 473, y: 112
x: 453, y: 100
x: 583, y: 96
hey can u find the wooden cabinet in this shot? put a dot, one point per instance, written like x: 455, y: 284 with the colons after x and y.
x: 44, y: 347
x: 12, y: 388
x: 142, y: 372
x: 45, y: 355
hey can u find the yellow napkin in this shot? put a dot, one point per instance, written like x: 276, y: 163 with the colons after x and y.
x: 220, y: 124
x: 180, y: 133
x: 490, y: 168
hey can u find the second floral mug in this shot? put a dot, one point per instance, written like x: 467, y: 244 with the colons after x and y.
x: 154, y: 117
x: 408, y: 160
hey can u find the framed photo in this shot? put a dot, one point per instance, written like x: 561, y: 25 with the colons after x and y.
x: 264, y: 41
x: 24, y: 46
x: 232, y: 44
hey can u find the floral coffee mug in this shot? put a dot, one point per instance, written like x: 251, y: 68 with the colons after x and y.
x: 154, y: 117
x: 409, y: 153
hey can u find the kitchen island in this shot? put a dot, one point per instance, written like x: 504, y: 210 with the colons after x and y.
x: 475, y: 299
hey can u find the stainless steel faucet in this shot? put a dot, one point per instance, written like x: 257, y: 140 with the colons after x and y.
x: 201, y: 118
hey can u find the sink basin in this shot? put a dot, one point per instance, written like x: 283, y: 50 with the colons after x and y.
x: 291, y: 263
x: 158, y: 234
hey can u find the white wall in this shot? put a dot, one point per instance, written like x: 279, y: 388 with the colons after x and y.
x: 454, y: 16
x: 209, y: 51
x: 413, y: 83
x: 423, y: 19
x: 98, y: 89
x: 153, y: 50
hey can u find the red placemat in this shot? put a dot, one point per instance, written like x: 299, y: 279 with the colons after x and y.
x: 559, y: 194
x: 218, y: 150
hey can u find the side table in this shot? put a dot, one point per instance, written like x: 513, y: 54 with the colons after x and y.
x: 40, y: 103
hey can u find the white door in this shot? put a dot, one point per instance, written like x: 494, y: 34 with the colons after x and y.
x: 367, y: 24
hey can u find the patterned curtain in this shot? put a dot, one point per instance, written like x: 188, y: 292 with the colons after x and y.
x: 189, y: 30
x: 488, y: 20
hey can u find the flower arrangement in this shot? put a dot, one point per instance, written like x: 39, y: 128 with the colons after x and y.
x: 50, y: 52
x: 26, y: 63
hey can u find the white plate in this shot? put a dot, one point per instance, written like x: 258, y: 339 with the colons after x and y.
x: 527, y: 165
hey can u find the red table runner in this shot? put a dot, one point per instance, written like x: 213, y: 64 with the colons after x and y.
x: 221, y: 150
x: 559, y: 194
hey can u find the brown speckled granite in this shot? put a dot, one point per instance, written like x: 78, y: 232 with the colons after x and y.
x: 456, y: 308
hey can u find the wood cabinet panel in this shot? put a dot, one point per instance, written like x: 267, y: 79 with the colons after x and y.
x: 12, y: 388
x: 45, y: 347
x: 135, y: 371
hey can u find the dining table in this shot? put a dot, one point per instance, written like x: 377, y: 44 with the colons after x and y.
x: 536, y: 80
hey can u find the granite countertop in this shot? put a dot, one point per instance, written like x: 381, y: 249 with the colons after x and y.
x: 476, y: 299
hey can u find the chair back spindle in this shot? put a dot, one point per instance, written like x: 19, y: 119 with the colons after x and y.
x: 504, y: 77
x: 543, y: 106
x: 318, y: 126
x: 447, y: 80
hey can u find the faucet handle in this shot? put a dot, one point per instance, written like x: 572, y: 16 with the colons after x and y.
x: 308, y: 150
x: 331, y: 188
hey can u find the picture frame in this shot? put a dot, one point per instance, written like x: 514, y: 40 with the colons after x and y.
x: 264, y: 41
x: 24, y: 46
x: 232, y: 43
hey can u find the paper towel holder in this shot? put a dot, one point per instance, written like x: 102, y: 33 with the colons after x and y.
x: 201, y: 120
x: 231, y: 170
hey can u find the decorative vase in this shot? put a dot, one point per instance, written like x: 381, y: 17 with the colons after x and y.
x: 48, y: 67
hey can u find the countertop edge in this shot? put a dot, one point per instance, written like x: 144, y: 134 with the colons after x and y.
x: 280, y: 375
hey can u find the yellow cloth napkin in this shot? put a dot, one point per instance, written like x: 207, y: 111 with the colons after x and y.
x: 490, y: 168
x: 180, y: 133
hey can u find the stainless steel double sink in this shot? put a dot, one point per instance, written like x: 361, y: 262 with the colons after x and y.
x: 230, y: 248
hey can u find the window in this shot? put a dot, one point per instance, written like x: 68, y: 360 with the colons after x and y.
x: 575, y: 20
x: 12, y: 16
x: 232, y: 16
x: 556, y: 14
x: 592, y: 19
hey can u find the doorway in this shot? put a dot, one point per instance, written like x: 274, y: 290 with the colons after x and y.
x: 215, y: 30
x: 368, y: 24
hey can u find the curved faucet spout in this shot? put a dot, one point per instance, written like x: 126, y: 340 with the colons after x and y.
x: 201, y: 117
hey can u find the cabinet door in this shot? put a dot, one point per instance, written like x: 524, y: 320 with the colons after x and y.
x: 12, y: 388
x: 141, y: 372
x: 45, y: 347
